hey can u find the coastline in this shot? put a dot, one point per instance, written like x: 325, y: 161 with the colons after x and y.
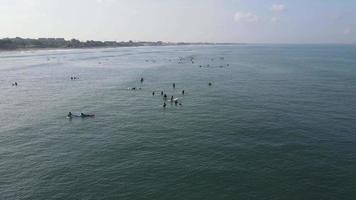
x: 108, y: 47
x: 48, y: 49
x: 27, y: 44
x: 69, y: 48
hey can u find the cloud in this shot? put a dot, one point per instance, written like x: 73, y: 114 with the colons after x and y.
x: 135, y: 12
x: 105, y: 1
x: 347, y: 31
x: 274, y: 19
x: 278, y: 7
x: 245, y: 17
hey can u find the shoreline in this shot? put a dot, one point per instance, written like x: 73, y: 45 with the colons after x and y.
x: 28, y: 44
x: 109, y: 47
x: 62, y: 48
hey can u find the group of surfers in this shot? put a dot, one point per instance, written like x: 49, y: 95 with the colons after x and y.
x: 165, y: 97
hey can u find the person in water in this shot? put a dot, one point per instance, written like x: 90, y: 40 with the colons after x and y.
x: 153, y: 93
x: 85, y: 115
x: 161, y: 93
x: 176, y: 102
x: 164, y: 105
x: 210, y: 83
x: 172, y: 98
x: 70, y: 115
x: 141, y: 80
x: 182, y: 92
x: 174, y: 85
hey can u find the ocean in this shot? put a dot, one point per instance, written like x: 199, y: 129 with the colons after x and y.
x: 277, y: 122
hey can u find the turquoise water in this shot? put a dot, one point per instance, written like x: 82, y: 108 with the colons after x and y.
x: 278, y: 123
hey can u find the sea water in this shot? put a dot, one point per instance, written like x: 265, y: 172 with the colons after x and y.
x: 278, y: 122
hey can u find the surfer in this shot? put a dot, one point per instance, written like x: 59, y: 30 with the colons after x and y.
x: 69, y: 115
x: 182, y: 92
x: 164, y: 105
x: 165, y: 97
x: 174, y: 85
x: 176, y: 102
x: 172, y: 99
x: 82, y: 115
x: 141, y: 80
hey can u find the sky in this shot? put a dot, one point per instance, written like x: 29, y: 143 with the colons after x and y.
x: 241, y: 21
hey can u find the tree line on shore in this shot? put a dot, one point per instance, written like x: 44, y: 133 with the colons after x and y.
x: 25, y: 43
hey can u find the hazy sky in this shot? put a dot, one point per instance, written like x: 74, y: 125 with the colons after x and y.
x: 271, y: 21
